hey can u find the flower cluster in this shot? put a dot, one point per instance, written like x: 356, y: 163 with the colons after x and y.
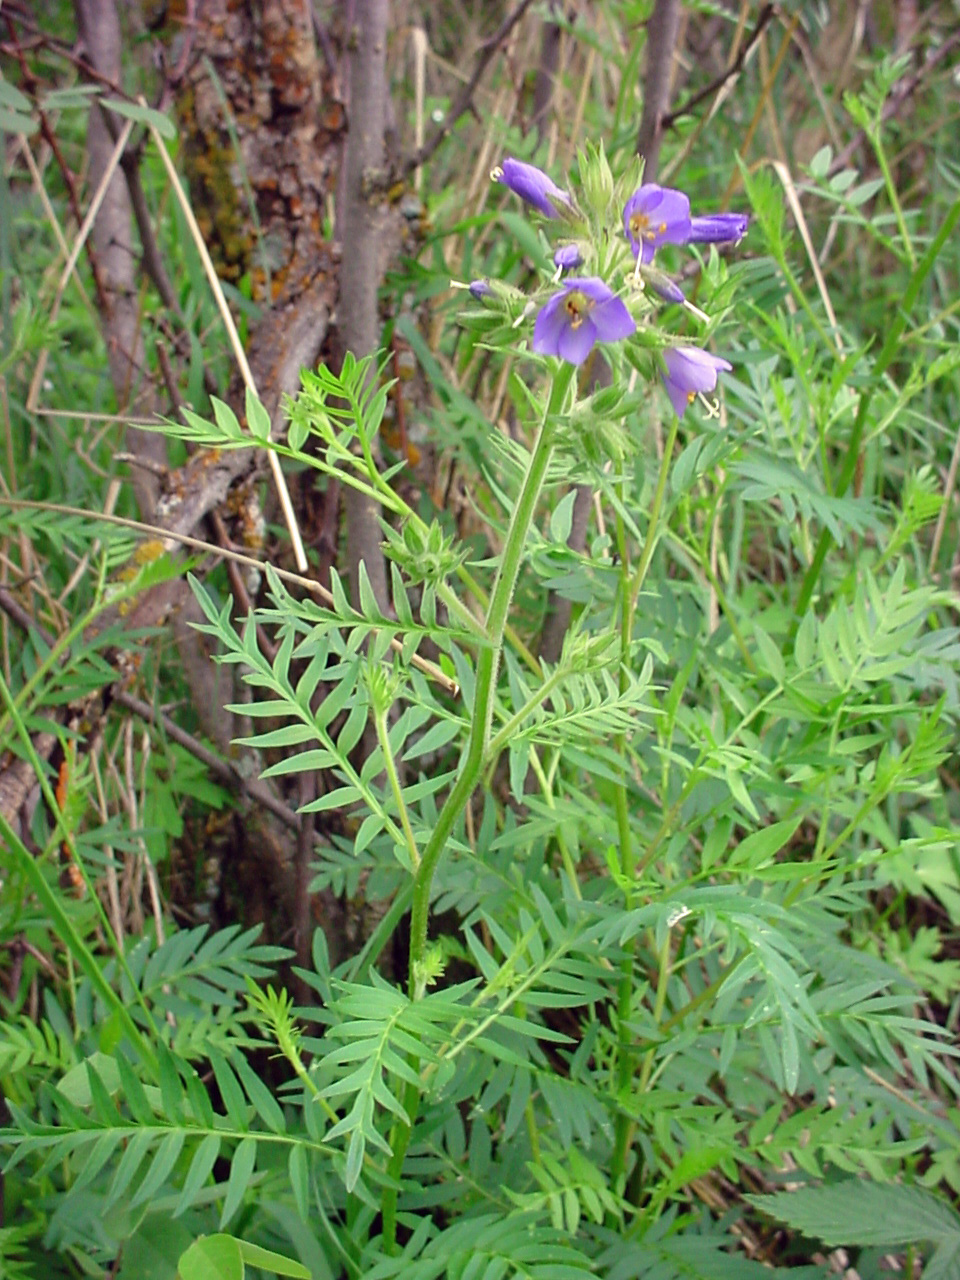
x: 586, y: 310
x: 659, y: 215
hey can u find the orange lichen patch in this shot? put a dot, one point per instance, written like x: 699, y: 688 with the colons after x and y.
x: 333, y: 118
x: 148, y: 551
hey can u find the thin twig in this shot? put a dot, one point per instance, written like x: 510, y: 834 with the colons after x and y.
x: 236, y: 345
x: 184, y: 539
x: 465, y: 98
x: 81, y: 239
x: 688, y: 107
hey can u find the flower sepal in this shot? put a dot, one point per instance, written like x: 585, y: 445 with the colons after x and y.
x: 423, y: 554
x: 596, y: 180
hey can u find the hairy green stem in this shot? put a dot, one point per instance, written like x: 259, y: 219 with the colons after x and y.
x: 471, y: 766
x: 488, y: 663
x: 630, y: 594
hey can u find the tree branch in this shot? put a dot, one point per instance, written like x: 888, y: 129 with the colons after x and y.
x: 661, y: 43
x: 689, y: 106
x: 465, y: 98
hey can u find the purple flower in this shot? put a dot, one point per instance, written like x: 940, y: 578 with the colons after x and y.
x: 531, y: 184
x: 584, y: 312
x: 479, y: 289
x: 662, y: 285
x: 690, y: 371
x: 718, y: 228
x: 654, y: 216
x: 568, y: 257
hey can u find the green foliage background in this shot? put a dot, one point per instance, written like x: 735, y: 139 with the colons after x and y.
x: 693, y: 965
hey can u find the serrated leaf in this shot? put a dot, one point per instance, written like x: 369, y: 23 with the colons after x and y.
x: 864, y: 1213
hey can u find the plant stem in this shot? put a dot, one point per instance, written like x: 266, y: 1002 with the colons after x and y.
x: 471, y: 766
x: 488, y: 663
x: 383, y: 736
x: 630, y: 594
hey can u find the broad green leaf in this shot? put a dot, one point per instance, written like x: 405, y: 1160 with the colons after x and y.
x: 759, y: 847
x: 212, y: 1258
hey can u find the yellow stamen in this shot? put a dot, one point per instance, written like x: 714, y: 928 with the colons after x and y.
x: 576, y: 305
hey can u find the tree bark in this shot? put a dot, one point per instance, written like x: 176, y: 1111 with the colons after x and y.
x: 661, y: 43
x: 545, y: 83
x: 363, y: 236
x: 112, y: 238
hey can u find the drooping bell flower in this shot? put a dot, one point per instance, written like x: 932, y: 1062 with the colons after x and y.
x: 718, y: 228
x: 568, y: 257
x: 585, y: 311
x: 690, y: 372
x: 531, y: 184
x: 654, y: 216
